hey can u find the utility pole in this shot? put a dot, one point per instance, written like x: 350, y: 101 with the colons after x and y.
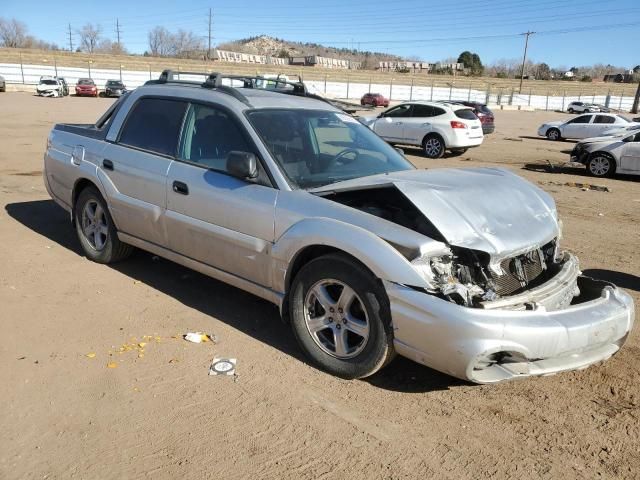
x: 70, y: 40
x: 209, y: 47
x: 118, y: 30
x: 524, y: 58
x: 636, y: 101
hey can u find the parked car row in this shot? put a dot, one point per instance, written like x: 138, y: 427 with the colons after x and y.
x: 3, y: 84
x: 85, y: 87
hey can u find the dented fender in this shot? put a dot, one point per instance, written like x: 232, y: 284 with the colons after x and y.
x: 379, y: 256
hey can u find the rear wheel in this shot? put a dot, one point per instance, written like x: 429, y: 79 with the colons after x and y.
x: 553, y: 134
x: 433, y: 146
x: 601, y: 166
x: 96, y: 230
x: 340, y: 317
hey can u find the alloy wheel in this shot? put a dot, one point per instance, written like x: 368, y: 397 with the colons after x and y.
x: 336, y: 318
x: 600, y: 166
x: 432, y: 147
x: 94, y: 225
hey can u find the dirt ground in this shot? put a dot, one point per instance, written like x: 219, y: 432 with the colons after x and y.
x: 158, y: 414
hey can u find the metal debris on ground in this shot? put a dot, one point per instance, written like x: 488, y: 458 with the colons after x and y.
x: 223, y: 366
x: 583, y: 186
x: 199, y: 337
x: 513, y: 139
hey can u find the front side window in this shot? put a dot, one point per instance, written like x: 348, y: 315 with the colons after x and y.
x: 581, y: 119
x: 209, y: 135
x: 399, y: 111
x: 319, y: 147
x: 154, y: 125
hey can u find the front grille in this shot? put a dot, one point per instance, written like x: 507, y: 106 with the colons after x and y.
x: 520, y: 271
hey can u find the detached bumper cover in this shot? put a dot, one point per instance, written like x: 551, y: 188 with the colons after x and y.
x: 487, y: 346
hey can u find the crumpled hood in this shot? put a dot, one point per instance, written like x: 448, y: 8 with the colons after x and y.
x: 555, y: 123
x: 43, y: 87
x: 486, y: 209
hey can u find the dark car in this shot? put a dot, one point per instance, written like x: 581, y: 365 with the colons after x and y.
x: 3, y: 84
x: 86, y: 87
x: 374, y: 99
x: 483, y: 113
x: 114, y: 88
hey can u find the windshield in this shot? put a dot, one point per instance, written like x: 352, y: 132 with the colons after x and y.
x: 318, y: 147
x: 48, y: 82
x: 113, y: 83
x: 84, y: 81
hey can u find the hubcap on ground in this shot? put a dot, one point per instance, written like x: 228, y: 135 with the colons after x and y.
x: 432, y: 147
x: 336, y: 318
x: 599, y: 166
x: 94, y: 225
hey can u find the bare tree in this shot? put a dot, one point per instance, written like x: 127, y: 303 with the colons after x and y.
x: 187, y: 44
x: 90, y: 36
x: 114, y: 48
x: 161, y: 42
x: 13, y: 33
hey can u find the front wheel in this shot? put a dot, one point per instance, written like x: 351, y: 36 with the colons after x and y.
x: 600, y: 166
x: 340, y: 317
x: 553, y: 134
x: 96, y: 230
x: 571, y: 110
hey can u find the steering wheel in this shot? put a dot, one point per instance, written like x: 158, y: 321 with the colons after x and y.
x: 340, y: 156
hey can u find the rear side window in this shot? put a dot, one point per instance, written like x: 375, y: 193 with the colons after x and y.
x: 154, y: 125
x: 421, y: 111
x: 466, y: 114
x: 604, y: 119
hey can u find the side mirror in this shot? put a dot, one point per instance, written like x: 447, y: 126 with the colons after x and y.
x: 381, y: 115
x: 242, y: 165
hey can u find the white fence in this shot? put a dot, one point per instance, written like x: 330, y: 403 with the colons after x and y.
x: 30, y: 75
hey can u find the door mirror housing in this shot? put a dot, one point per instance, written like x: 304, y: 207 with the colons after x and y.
x: 243, y: 165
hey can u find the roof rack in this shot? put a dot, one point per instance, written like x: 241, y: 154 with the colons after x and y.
x: 214, y: 81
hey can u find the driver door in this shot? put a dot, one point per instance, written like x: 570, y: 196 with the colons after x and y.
x: 213, y: 217
x: 390, y: 125
x: 577, y: 127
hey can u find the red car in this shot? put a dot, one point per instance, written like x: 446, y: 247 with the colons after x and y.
x: 374, y: 99
x: 86, y: 87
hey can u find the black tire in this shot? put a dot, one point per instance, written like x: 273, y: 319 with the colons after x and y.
x: 571, y: 110
x: 458, y: 152
x: 554, y: 134
x: 601, y: 165
x: 433, y: 146
x: 108, y: 249
x: 369, y: 355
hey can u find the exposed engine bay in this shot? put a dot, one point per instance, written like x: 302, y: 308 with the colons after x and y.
x: 465, y: 276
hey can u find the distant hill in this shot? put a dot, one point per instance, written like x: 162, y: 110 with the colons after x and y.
x: 276, y: 47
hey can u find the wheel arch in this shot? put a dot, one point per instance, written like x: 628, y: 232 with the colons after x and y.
x: 435, y: 133
x: 80, y: 184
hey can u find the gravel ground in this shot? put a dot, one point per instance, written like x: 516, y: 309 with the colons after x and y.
x: 158, y: 414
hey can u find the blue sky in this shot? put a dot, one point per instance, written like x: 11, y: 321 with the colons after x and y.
x: 570, y: 32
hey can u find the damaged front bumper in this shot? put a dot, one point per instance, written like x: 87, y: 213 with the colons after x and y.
x: 491, y: 345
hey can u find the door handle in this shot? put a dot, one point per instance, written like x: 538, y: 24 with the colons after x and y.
x: 181, y: 188
x: 107, y: 164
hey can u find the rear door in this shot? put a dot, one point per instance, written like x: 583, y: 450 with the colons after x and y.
x: 391, y: 125
x: 630, y: 161
x: 212, y: 217
x: 419, y: 124
x: 577, y: 127
x: 134, y: 168
x: 600, y: 124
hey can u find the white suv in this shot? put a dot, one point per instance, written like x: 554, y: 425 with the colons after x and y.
x: 581, y: 107
x: 435, y: 126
